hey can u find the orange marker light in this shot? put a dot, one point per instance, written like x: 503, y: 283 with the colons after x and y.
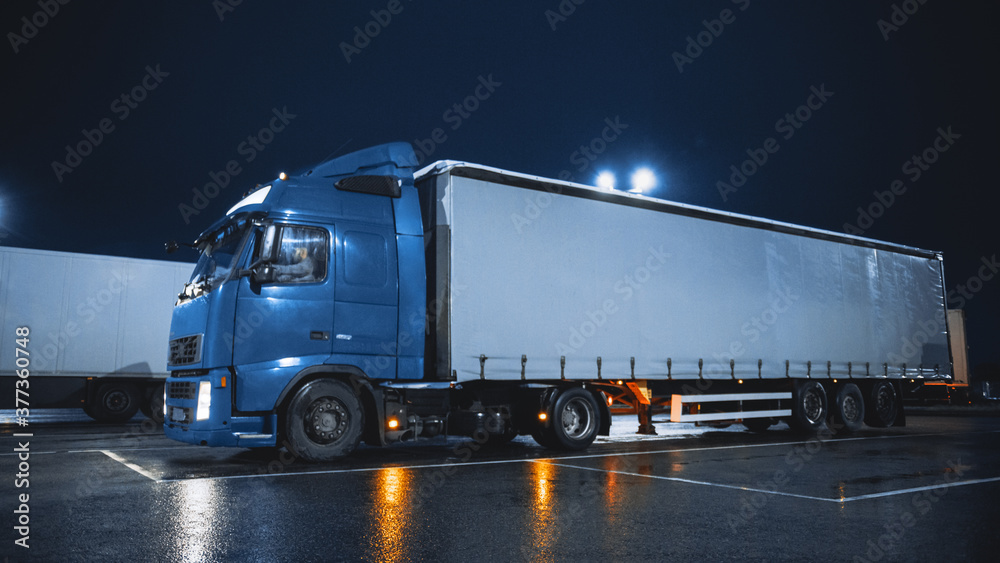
x: 223, y: 382
x: 393, y: 423
x: 542, y: 416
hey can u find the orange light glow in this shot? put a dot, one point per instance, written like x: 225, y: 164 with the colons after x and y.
x: 389, y: 516
x: 542, y: 416
x: 223, y: 382
x: 393, y: 423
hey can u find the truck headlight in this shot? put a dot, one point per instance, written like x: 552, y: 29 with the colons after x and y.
x: 204, y: 400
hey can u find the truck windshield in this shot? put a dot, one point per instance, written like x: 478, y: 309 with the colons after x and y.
x: 218, y: 252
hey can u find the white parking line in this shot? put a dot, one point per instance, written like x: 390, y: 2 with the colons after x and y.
x: 691, y: 481
x: 773, y: 444
x: 918, y: 489
x: 130, y: 465
x: 559, y: 459
x: 779, y: 493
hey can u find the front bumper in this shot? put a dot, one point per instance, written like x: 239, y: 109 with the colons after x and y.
x: 217, y: 425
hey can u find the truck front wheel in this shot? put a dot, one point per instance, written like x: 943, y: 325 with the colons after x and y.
x: 575, y: 421
x: 324, y: 421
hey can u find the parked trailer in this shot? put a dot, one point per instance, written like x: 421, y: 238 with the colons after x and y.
x: 93, y: 329
x: 381, y: 303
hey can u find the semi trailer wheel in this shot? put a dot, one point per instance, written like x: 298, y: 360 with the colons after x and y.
x: 849, y: 409
x: 758, y: 425
x: 573, y: 422
x: 882, y: 406
x: 324, y: 421
x: 809, y: 406
x: 114, y: 402
x: 152, y: 407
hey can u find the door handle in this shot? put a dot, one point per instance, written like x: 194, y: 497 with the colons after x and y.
x: 319, y: 335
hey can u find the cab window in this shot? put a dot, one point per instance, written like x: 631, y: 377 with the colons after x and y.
x: 302, y: 255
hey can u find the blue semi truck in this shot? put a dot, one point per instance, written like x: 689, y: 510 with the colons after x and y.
x: 364, y: 299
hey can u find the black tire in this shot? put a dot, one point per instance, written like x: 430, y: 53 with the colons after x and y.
x: 574, y: 421
x: 152, y: 407
x: 542, y: 438
x: 809, y: 406
x: 324, y: 421
x: 502, y: 439
x: 758, y: 425
x: 114, y: 402
x: 848, y: 409
x: 882, y: 406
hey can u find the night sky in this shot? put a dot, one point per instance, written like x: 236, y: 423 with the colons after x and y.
x: 839, y: 96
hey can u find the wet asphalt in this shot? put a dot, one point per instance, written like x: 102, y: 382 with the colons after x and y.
x: 926, y: 492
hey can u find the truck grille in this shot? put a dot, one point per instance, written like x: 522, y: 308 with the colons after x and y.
x: 185, y: 350
x: 184, y: 390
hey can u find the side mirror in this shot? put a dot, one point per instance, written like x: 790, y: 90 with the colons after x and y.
x: 171, y: 246
x: 264, y: 274
x: 268, y: 248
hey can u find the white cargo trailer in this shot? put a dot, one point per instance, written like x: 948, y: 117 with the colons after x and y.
x: 536, y: 279
x: 96, y: 329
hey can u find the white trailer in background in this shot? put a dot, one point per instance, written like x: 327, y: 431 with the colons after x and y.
x: 97, y: 327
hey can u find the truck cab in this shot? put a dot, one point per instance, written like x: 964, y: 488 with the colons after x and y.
x: 296, y: 306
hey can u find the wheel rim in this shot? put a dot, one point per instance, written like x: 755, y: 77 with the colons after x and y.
x: 577, y: 419
x: 326, y: 420
x: 812, y: 406
x: 852, y: 410
x: 116, y: 401
x: 885, y: 401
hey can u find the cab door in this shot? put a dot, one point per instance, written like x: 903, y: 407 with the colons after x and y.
x: 287, y: 325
